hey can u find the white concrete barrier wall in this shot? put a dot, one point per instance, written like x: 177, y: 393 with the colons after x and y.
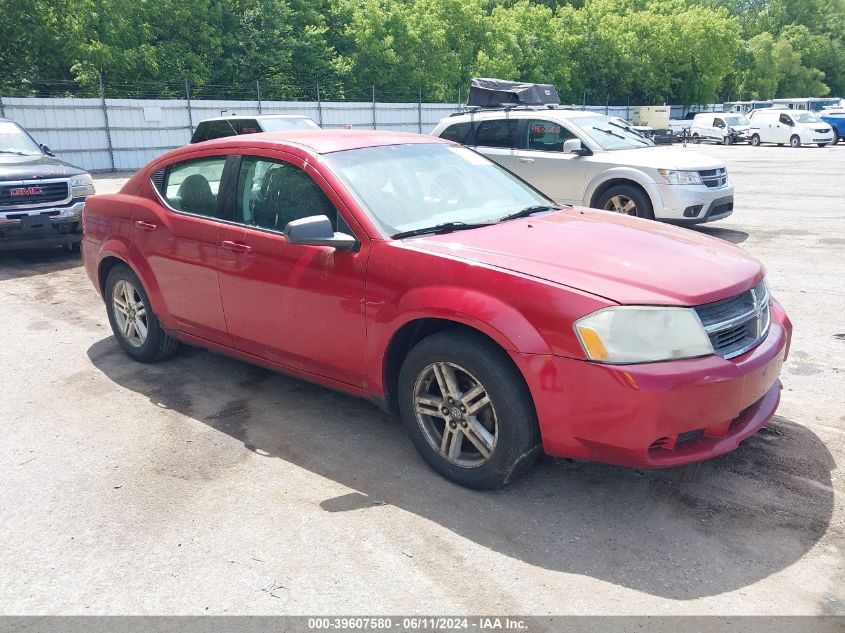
x: 141, y: 129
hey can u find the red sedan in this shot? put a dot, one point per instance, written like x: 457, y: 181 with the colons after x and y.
x: 417, y: 273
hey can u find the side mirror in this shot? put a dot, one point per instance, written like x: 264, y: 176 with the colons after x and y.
x: 46, y: 149
x: 317, y: 230
x: 574, y: 146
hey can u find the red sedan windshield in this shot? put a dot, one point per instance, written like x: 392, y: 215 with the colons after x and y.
x: 407, y: 187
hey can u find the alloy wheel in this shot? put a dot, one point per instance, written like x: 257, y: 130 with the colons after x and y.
x: 130, y: 314
x: 621, y: 204
x: 455, y: 414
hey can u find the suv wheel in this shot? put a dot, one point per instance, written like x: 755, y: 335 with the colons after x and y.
x: 627, y: 200
x: 133, y: 321
x: 467, y: 410
x: 795, y: 141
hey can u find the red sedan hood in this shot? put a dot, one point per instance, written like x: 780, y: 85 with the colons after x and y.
x: 627, y: 260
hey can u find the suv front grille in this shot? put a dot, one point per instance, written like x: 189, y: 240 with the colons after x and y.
x: 32, y: 194
x: 738, y: 323
x: 714, y: 178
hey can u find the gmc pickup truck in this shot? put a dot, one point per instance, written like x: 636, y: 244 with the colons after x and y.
x: 41, y: 197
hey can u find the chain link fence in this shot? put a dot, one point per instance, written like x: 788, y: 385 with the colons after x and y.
x: 111, y: 127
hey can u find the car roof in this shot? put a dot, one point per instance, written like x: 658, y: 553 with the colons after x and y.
x: 320, y: 141
x: 253, y: 117
x: 522, y: 113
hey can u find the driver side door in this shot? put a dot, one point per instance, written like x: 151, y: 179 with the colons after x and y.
x: 296, y: 305
x: 542, y: 161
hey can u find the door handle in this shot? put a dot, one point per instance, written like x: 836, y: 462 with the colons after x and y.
x: 145, y: 226
x: 236, y: 247
x: 526, y: 160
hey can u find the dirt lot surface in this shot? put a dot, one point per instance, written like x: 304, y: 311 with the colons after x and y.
x: 205, y: 485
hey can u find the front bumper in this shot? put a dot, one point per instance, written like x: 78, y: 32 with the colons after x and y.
x: 657, y: 414
x: 692, y: 204
x: 810, y: 137
x: 41, y: 228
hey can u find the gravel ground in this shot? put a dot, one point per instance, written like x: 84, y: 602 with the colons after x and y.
x: 205, y: 485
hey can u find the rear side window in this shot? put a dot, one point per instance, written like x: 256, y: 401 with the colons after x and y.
x: 497, y: 133
x: 192, y: 186
x: 457, y: 132
x: 210, y: 130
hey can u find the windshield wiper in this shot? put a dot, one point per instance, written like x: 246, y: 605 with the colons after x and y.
x: 446, y: 227
x: 524, y: 213
x: 641, y: 139
x: 611, y: 132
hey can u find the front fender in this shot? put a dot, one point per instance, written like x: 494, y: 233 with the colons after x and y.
x: 623, y: 173
x: 473, y: 308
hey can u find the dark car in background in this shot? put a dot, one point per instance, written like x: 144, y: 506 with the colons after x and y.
x: 41, y: 197
x: 220, y: 127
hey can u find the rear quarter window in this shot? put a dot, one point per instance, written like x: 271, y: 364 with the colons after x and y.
x: 210, y: 130
x: 457, y: 132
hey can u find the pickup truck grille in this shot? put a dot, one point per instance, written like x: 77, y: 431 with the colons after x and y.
x: 738, y: 323
x: 32, y: 194
x: 714, y: 178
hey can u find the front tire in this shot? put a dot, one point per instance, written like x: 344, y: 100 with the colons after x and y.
x: 696, y: 139
x: 468, y: 410
x: 135, y: 325
x: 795, y: 141
x: 755, y: 140
x: 627, y: 200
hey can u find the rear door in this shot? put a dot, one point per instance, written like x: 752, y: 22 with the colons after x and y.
x: 497, y: 139
x: 177, y: 236
x: 542, y: 161
x: 300, y: 306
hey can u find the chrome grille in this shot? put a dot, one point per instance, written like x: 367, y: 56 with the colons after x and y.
x: 32, y: 193
x: 738, y: 323
x: 714, y: 178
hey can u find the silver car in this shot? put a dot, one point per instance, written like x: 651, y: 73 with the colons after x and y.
x: 584, y: 158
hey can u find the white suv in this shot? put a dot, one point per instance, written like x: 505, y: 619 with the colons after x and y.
x: 584, y: 158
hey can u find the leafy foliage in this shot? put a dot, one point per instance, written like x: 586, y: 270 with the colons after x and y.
x: 645, y: 51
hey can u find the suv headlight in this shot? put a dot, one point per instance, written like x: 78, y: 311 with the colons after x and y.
x: 680, y: 177
x: 82, y: 186
x: 642, y: 334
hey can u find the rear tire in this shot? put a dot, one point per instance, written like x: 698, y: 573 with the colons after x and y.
x: 755, y: 140
x: 696, y: 138
x: 135, y: 325
x: 619, y: 197
x: 795, y: 141
x: 468, y: 410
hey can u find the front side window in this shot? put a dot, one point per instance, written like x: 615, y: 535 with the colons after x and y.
x: 546, y: 136
x: 784, y: 118
x: 718, y: 123
x: 272, y: 193
x: 497, y: 133
x: 414, y: 186
x: 192, y: 185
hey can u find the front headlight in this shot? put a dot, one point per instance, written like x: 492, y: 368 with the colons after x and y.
x: 680, y: 177
x: 82, y: 186
x: 642, y: 334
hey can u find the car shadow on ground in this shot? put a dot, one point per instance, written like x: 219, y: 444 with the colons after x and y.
x: 28, y: 263
x: 680, y: 533
x: 729, y: 235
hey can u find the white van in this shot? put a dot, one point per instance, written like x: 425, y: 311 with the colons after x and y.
x: 795, y: 127
x: 722, y: 128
